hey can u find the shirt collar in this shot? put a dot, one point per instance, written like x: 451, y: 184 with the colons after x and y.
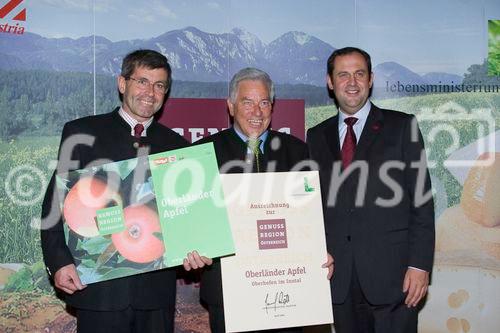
x: 244, y: 138
x: 132, y: 122
x: 361, y: 114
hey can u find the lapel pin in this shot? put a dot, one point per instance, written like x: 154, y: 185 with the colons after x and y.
x: 376, y: 127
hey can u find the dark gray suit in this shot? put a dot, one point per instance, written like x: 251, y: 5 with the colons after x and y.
x: 377, y: 243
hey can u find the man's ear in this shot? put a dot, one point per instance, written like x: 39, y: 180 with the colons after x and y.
x: 122, y: 83
x: 230, y: 106
x: 329, y: 82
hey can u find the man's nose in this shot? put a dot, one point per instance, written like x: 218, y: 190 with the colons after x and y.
x: 352, y: 79
x: 257, y: 109
x: 150, y: 89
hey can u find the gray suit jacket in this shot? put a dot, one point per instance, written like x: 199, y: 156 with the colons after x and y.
x: 379, y: 241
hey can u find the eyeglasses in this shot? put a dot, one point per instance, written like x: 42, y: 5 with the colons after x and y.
x: 144, y: 84
x: 248, y: 104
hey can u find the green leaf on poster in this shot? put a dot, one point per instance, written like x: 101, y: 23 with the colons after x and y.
x: 66, y: 231
x: 120, y: 259
x: 95, y: 245
x: 88, y: 274
x: 62, y: 183
x: 120, y: 272
x: 158, y: 235
x: 88, y: 263
x: 126, y: 167
x: 106, y: 255
x: 159, y: 264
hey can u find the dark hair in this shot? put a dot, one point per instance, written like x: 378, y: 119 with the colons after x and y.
x: 145, y: 58
x: 345, y: 51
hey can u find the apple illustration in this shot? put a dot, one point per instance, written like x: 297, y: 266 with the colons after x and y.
x: 137, y: 242
x: 480, y: 196
x: 88, y: 195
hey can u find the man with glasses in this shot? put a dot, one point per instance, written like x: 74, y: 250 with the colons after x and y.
x: 248, y: 146
x: 139, y: 303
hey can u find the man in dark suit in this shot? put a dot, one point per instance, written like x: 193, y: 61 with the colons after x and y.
x: 140, y: 303
x: 248, y: 146
x: 379, y: 212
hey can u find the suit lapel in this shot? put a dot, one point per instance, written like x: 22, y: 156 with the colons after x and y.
x: 271, y: 154
x: 372, y: 128
x: 235, y: 146
x: 332, y: 137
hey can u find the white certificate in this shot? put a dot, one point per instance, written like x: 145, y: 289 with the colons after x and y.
x: 275, y: 279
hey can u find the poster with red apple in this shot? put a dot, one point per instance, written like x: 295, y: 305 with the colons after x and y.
x: 118, y: 217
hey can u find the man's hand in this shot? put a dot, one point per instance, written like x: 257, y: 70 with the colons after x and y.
x: 66, y: 279
x: 415, y: 283
x: 195, y: 261
x: 329, y: 264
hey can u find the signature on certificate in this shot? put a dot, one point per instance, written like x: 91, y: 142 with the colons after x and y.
x: 277, y: 300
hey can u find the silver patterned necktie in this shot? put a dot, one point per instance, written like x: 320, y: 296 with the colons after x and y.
x: 254, y: 146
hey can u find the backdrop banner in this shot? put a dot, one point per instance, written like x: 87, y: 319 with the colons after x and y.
x: 195, y: 118
x: 438, y: 60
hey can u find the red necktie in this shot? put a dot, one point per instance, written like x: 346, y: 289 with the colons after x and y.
x: 349, y: 146
x: 138, y: 129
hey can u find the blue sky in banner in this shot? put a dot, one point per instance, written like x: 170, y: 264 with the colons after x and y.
x: 426, y: 36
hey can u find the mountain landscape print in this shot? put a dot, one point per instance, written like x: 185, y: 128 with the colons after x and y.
x: 293, y: 58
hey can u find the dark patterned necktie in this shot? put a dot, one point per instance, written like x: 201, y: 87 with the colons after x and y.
x: 254, y: 146
x: 349, y: 145
x: 138, y: 129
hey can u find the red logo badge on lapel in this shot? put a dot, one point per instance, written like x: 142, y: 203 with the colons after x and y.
x: 376, y: 127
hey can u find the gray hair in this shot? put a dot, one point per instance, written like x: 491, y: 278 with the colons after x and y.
x: 252, y: 74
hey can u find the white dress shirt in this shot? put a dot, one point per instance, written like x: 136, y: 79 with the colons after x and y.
x: 362, y: 115
x: 132, y: 122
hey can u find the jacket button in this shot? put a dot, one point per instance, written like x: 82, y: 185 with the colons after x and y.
x: 348, y: 238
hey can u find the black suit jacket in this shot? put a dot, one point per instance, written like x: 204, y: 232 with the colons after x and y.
x: 281, y: 153
x: 380, y: 242
x: 111, y: 141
